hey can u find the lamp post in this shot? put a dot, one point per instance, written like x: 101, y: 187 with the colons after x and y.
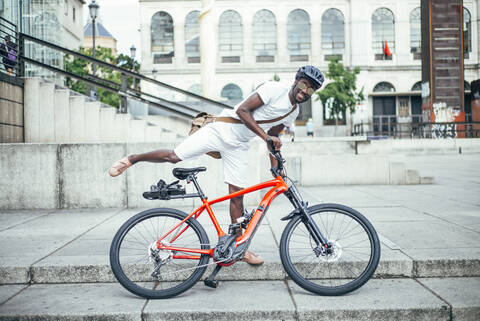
x: 93, y: 8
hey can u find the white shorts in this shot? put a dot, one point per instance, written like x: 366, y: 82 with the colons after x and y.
x: 212, y: 138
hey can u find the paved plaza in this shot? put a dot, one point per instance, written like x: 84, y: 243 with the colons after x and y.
x: 54, y: 264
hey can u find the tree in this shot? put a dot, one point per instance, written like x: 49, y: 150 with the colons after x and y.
x: 340, y: 95
x: 83, y: 68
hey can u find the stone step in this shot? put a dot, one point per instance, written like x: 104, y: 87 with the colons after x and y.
x: 385, y: 299
x: 96, y: 268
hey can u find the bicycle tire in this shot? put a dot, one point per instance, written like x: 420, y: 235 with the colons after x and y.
x: 130, y: 275
x: 307, y: 275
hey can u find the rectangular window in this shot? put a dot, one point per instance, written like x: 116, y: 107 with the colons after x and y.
x: 74, y: 15
x: 265, y: 58
x: 298, y: 58
x: 382, y: 57
x: 162, y: 59
x: 233, y: 59
x: 193, y: 60
x: 329, y: 57
x: 65, y: 8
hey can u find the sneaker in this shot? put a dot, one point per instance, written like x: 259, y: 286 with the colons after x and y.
x: 252, y: 259
x: 119, y: 167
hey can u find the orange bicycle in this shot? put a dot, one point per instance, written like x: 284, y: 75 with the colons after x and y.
x: 328, y: 249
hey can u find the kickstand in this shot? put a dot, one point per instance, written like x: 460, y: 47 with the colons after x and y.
x: 210, y: 280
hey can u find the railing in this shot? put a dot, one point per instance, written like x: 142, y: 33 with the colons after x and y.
x: 386, y: 126
x: 160, y: 95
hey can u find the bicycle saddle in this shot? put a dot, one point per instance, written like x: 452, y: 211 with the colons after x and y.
x: 182, y: 173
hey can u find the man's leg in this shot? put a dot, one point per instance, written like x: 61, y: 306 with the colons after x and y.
x: 236, y: 210
x: 157, y: 156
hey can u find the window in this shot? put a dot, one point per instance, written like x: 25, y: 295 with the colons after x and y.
x: 74, y: 14
x: 162, y: 37
x: 192, y: 37
x: 384, y: 87
x: 231, y: 36
x: 333, y: 34
x: 65, y: 8
x: 233, y: 93
x: 417, y: 86
x: 467, y: 33
x: 264, y: 36
x: 298, y: 35
x: 383, y: 32
x: 415, y: 34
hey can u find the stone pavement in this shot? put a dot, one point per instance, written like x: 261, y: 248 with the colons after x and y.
x: 54, y: 264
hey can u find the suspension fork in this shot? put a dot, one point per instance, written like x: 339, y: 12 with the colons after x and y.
x: 302, y: 210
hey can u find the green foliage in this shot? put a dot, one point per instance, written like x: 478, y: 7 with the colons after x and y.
x: 276, y: 77
x: 341, y: 93
x: 84, y: 68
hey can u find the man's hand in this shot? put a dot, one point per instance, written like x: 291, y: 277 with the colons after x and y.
x: 276, y: 142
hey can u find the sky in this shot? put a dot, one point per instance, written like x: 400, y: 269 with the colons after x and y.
x: 122, y: 19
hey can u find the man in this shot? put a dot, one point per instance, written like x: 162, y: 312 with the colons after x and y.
x: 270, y: 101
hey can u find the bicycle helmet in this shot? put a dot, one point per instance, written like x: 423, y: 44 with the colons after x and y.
x: 311, y: 73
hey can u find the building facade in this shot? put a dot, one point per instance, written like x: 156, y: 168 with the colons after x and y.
x: 258, y: 40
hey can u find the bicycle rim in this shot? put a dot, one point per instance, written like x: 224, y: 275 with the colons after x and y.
x: 133, y: 259
x: 354, y: 258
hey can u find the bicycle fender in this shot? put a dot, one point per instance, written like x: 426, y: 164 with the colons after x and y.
x: 291, y: 215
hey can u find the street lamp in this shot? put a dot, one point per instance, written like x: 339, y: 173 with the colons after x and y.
x: 133, y: 51
x: 93, y: 8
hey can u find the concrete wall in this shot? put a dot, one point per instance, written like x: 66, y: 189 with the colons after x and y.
x: 11, y: 113
x: 75, y: 175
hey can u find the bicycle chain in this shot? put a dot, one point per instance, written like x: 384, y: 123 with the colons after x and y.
x: 197, y: 267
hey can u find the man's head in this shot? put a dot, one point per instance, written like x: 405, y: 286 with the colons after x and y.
x: 307, y: 80
x: 7, y: 38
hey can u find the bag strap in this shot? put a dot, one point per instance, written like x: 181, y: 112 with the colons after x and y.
x: 232, y: 120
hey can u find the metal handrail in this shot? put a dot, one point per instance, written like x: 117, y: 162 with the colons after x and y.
x: 122, y: 70
x: 113, y: 90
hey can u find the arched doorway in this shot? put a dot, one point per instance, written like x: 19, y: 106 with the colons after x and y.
x: 384, y: 110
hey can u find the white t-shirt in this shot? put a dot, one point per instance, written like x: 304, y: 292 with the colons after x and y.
x: 276, y: 104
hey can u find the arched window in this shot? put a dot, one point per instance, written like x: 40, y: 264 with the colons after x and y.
x: 264, y: 36
x: 333, y: 34
x: 298, y: 35
x: 192, y: 37
x: 417, y: 86
x: 415, y: 34
x: 384, y: 87
x: 231, y: 36
x: 233, y: 93
x: 162, y: 38
x: 467, y: 33
x: 383, y: 33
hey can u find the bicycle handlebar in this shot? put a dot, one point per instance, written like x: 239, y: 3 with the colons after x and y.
x: 278, y: 156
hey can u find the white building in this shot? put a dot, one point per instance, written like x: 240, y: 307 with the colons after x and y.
x: 253, y: 40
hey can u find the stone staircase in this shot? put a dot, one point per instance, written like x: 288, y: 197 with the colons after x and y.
x: 55, y: 114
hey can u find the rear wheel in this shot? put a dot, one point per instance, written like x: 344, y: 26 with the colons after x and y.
x: 158, y: 274
x: 350, y: 261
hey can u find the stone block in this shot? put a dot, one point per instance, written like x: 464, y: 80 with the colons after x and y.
x: 412, y: 177
x: 62, y: 116
x: 77, y: 119
x: 29, y: 176
x: 32, y: 109
x: 92, y: 121
x: 107, y: 124
x: 47, y: 113
x: 397, y: 173
x: 84, y: 179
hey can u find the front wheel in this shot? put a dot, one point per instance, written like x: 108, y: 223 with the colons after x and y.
x: 348, y: 263
x: 145, y: 270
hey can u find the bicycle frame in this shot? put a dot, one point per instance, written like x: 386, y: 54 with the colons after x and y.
x: 278, y: 187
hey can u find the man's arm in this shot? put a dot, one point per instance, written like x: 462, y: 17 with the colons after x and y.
x: 245, y: 111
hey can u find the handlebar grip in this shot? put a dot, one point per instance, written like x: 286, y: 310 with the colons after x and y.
x: 271, y: 144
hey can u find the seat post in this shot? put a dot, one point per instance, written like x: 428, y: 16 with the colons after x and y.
x: 192, y: 178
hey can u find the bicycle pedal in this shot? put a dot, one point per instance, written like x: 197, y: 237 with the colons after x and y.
x: 211, y: 283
